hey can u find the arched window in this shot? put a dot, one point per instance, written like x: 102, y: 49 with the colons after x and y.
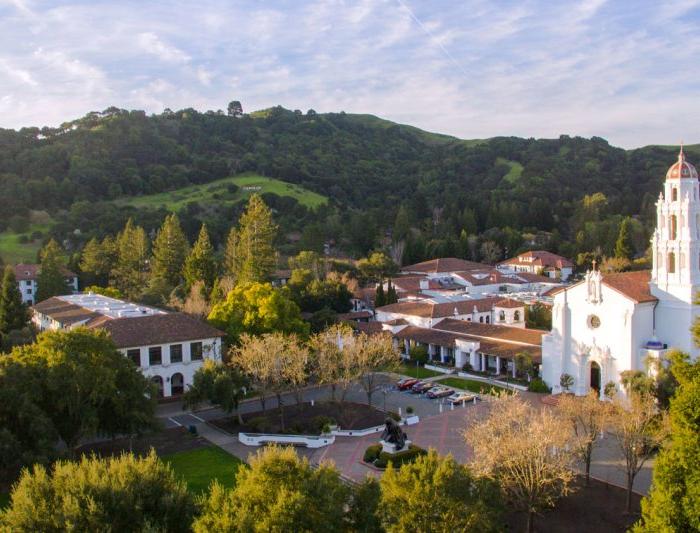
x: 502, y: 316
x: 674, y: 194
x: 177, y: 384
x: 673, y: 227
x: 481, y: 319
x: 516, y: 316
x: 488, y: 319
x: 671, y: 267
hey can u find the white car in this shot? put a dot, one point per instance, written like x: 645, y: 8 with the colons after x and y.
x: 461, y: 397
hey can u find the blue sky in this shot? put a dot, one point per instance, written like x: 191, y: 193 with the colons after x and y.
x: 627, y: 71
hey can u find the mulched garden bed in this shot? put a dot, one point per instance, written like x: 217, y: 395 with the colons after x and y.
x: 595, y: 509
x: 164, y: 442
x: 305, y: 419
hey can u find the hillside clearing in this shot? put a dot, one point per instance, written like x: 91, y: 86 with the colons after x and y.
x: 516, y: 169
x: 219, y: 191
x: 13, y: 250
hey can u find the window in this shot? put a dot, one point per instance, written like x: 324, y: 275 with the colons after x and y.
x: 488, y: 319
x: 593, y: 322
x: 196, y: 351
x: 29, y: 291
x: 674, y: 227
x: 155, y: 355
x: 481, y: 319
x: 135, y: 355
x: 502, y: 316
x: 176, y: 353
x: 674, y: 194
x: 671, y: 267
x: 516, y: 316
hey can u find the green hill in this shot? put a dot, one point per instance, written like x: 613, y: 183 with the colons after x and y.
x: 219, y: 191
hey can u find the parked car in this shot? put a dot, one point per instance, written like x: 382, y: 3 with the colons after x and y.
x: 422, y: 387
x: 461, y: 397
x: 406, y: 383
x: 439, y: 392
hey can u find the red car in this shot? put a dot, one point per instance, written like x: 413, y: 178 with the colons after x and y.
x: 406, y: 383
x: 422, y: 387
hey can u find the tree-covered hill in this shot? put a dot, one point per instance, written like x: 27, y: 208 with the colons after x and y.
x: 373, y: 171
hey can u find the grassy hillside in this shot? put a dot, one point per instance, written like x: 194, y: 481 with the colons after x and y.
x: 20, y: 247
x: 516, y: 169
x: 220, y: 191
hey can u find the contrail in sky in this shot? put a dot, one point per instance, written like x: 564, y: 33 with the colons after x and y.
x: 432, y: 36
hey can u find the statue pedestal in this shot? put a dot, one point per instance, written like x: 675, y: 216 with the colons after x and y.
x: 390, y: 447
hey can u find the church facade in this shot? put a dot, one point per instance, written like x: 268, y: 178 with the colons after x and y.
x: 609, y: 323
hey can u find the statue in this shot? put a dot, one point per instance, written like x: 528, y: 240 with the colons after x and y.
x: 393, y: 434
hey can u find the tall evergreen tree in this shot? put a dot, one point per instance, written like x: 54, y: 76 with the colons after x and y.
x: 624, y: 247
x: 131, y: 267
x: 255, y: 258
x: 96, y: 261
x: 231, y: 262
x: 200, y: 264
x: 391, y: 296
x: 169, y: 252
x: 51, y: 280
x: 13, y: 313
x: 380, y: 297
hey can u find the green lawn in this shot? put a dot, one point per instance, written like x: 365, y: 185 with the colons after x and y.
x: 12, y: 251
x: 472, y: 385
x: 217, y: 191
x: 408, y: 369
x: 202, y: 466
x: 516, y: 169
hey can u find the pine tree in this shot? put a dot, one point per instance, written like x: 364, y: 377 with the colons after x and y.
x: 255, y: 253
x: 231, y: 262
x: 169, y: 252
x: 96, y: 261
x: 391, y: 297
x: 13, y: 313
x: 624, y: 247
x: 380, y: 298
x: 131, y: 266
x: 200, y: 264
x: 51, y: 280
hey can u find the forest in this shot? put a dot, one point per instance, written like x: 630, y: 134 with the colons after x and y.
x: 412, y: 193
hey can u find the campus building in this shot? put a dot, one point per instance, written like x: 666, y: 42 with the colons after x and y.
x: 609, y: 323
x: 167, y: 347
x: 27, y: 276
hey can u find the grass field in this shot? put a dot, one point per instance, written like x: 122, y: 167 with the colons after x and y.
x: 12, y: 251
x: 472, y: 385
x: 198, y: 468
x: 408, y: 369
x: 217, y: 191
x: 516, y: 169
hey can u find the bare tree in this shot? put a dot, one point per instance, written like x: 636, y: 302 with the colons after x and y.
x: 527, y: 450
x: 195, y: 303
x: 368, y: 355
x: 588, y: 416
x: 331, y: 361
x: 252, y: 356
x: 639, y: 428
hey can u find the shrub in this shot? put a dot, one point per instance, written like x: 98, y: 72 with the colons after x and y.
x: 409, y: 410
x: 419, y: 353
x: 395, y: 416
x: 322, y: 421
x: 372, y: 453
x: 258, y: 424
x: 537, y: 385
x: 397, y: 459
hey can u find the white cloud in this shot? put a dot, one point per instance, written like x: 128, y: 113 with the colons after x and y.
x: 152, y: 44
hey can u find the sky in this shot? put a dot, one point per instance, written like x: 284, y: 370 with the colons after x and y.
x: 627, y: 71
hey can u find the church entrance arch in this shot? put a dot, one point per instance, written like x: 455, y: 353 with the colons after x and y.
x: 595, y: 376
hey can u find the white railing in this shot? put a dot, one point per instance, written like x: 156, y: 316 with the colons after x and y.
x: 441, y: 369
x: 310, y: 441
x: 505, y: 384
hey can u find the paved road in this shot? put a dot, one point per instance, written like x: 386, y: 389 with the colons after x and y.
x: 441, y: 427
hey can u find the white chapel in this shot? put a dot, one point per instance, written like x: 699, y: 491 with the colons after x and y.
x: 609, y: 323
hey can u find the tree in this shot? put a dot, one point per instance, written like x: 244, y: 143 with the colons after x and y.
x: 13, y: 312
x: 308, y: 260
x: 257, y: 308
x: 491, y: 252
x: 527, y: 451
x: 200, y: 264
x: 566, y: 381
x: 97, y: 260
x: 89, y: 386
x: 220, y: 384
x: 370, y: 354
x: 235, y: 109
x: 638, y: 429
x: 437, y: 494
x: 391, y: 296
x: 588, y: 416
x: 362, y: 510
x: 330, y: 360
x: 637, y: 382
x: 624, y: 246
x: 252, y: 357
x: 124, y: 493
x: 380, y: 297
x: 195, y: 302
x: 110, y: 292
x: 170, y: 249
x: 278, y: 492
x: 231, y: 251
x: 255, y: 257
x: 376, y: 267
x: 131, y: 266
x: 51, y: 280
x: 673, y: 503
x: 524, y: 365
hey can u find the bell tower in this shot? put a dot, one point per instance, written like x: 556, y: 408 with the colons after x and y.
x: 675, y: 275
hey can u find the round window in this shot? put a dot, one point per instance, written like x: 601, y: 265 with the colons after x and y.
x: 593, y: 321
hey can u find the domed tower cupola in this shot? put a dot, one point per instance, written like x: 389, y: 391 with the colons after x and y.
x: 681, y: 169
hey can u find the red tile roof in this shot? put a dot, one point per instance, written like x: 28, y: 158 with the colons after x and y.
x: 444, y: 264
x: 634, y: 285
x: 539, y: 258
x: 428, y: 309
x: 492, y: 331
x: 25, y: 271
x: 158, y: 329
